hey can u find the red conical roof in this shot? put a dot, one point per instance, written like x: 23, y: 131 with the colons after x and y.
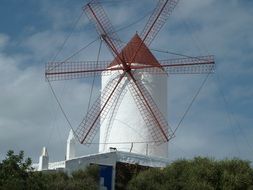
x: 143, y: 56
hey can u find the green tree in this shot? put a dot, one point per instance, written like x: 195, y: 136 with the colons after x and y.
x: 151, y: 179
x: 236, y: 175
x: 197, y: 174
x: 80, y: 180
x: 16, y: 173
x: 13, y: 171
x: 87, y: 179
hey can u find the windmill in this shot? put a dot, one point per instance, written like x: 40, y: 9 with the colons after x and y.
x: 132, y: 108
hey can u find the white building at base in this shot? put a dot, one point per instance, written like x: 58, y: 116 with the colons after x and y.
x: 109, y: 163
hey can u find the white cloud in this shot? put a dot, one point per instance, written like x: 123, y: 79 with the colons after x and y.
x: 28, y: 111
x: 3, y: 40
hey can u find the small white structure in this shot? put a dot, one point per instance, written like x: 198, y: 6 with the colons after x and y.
x: 71, y: 142
x: 44, y: 160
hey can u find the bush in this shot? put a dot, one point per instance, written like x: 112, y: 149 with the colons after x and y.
x: 199, y: 173
x: 17, y: 173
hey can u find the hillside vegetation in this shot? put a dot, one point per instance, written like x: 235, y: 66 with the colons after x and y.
x: 197, y: 174
x: 16, y: 173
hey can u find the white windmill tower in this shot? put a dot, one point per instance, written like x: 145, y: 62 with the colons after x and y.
x: 131, y: 111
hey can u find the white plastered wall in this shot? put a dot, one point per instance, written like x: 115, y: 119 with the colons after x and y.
x: 124, y: 124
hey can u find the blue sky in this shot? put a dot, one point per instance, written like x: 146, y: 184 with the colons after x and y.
x: 219, y: 123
